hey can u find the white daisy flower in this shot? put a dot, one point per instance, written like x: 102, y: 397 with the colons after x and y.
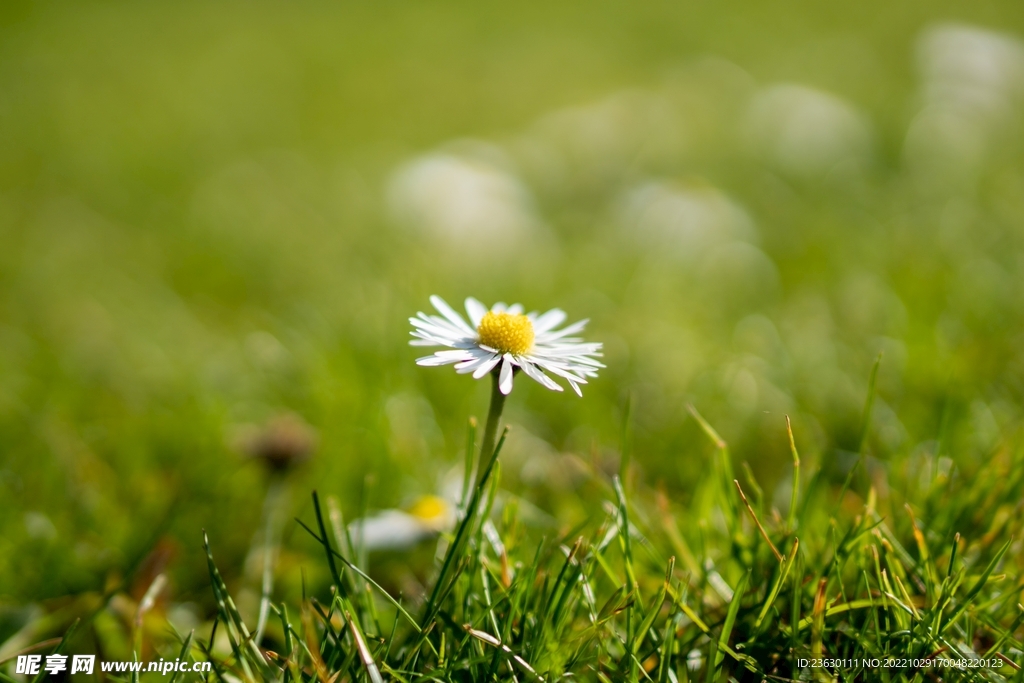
x: 403, y: 529
x: 504, y: 339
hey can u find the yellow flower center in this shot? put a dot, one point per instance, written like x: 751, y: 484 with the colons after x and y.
x: 429, y: 508
x: 506, y: 332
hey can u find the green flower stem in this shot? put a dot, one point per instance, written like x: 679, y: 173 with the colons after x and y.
x: 491, y: 430
x: 272, y: 505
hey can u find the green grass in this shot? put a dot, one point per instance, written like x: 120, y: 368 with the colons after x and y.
x: 625, y: 596
x: 195, y: 239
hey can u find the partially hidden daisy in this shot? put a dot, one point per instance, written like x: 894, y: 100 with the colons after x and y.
x: 503, y: 339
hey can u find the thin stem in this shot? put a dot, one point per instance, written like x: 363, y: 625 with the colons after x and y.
x: 271, y: 504
x: 491, y: 430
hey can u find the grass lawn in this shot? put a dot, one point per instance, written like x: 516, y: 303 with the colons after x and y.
x: 796, y: 228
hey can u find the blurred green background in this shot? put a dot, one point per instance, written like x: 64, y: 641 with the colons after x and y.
x: 212, y: 214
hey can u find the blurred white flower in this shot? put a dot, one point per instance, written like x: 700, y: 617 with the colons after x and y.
x: 469, y: 202
x: 972, y: 82
x: 978, y: 71
x: 503, y: 339
x: 401, y: 529
x: 597, y: 142
x: 807, y: 131
x: 683, y: 219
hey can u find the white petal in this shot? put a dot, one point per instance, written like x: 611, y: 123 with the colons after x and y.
x: 515, y: 309
x: 449, y: 313
x: 479, y: 366
x: 455, y: 340
x: 535, y: 374
x: 568, y: 353
x: 487, y: 366
x: 562, y: 347
x: 438, y: 326
x: 434, y: 361
x: 437, y: 321
x: 467, y: 366
x: 572, y: 329
x: 389, y: 530
x: 560, y: 369
x: 460, y: 354
x: 444, y: 358
x: 476, y: 311
x: 549, y: 321
x: 499, y: 307
x: 505, y: 379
